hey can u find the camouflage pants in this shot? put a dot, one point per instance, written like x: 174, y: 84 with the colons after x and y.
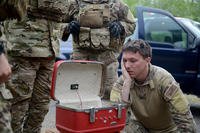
x: 5, y: 116
x: 30, y: 86
x: 109, y: 58
x: 134, y: 126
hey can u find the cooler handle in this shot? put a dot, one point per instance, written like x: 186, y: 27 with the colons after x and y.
x: 119, y: 112
x: 92, y: 115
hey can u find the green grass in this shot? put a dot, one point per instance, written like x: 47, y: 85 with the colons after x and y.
x: 193, y: 99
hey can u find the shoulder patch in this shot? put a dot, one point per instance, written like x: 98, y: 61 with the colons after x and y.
x: 170, y: 91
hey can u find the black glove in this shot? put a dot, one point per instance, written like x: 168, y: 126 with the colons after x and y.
x: 74, y: 27
x: 116, y: 29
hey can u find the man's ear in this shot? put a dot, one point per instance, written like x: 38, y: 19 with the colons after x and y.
x: 148, y: 59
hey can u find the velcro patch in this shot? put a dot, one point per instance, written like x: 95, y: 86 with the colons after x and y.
x: 171, y: 90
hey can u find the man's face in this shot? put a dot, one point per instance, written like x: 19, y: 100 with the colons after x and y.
x: 135, y: 64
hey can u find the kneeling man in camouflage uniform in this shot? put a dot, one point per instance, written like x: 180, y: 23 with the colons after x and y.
x: 152, y: 93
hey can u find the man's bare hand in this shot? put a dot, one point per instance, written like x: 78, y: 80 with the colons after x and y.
x: 5, y: 69
x: 127, y: 83
x: 125, y: 74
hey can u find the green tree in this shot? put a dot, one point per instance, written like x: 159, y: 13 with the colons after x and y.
x: 180, y: 8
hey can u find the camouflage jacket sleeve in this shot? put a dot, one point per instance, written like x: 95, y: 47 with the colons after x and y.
x: 13, y: 9
x: 179, y: 106
x: 72, y: 11
x: 2, y: 37
x: 115, y: 94
x: 125, y: 16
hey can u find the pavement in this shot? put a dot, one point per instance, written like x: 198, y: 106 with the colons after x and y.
x: 48, y: 126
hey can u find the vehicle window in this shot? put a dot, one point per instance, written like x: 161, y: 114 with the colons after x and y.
x: 161, y: 28
x: 193, y: 25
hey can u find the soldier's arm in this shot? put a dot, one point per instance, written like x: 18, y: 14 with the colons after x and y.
x: 11, y: 10
x: 117, y: 91
x: 127, y: 83
x: 115, y: 94
x: 5, y: 69
x: 73, y: 10
x: 179, y: 106
x: 126, y: 19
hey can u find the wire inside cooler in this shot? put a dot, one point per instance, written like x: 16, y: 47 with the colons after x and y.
x: 81, y: 103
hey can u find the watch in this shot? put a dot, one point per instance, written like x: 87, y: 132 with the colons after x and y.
x: 2, y: 50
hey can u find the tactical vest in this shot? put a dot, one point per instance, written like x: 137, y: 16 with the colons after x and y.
x: 55, y: 10
x: 94, y: 16
x: 12, y: 9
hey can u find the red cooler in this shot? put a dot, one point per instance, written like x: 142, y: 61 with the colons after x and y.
x: 76, y: 86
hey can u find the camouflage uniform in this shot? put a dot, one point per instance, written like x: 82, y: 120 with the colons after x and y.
x: 5, y: 96
x: 8, y: 9
x: 158, y: 104
x: 12, y: 9
x: 5, y: 119
x: 94, y: 41
x: 32, y: 48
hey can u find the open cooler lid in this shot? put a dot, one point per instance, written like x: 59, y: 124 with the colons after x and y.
x: 77, y: 82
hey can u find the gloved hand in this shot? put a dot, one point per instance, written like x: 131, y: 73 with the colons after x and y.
x: 74, y: 27
x: 116, y: 29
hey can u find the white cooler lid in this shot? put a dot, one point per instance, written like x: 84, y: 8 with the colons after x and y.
x: 77, y: 82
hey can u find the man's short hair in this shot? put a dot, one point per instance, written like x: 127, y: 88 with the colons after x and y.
x: 138, y: 46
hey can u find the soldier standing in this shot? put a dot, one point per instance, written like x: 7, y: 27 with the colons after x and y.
x: 5, y: 69
x: 152, y: 93
x: 5, y: 95
x: 9, y: 9
x: 99, y: 28
x: 32, y: 48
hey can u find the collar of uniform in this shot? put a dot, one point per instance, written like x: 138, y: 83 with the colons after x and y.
x: 148, y: 79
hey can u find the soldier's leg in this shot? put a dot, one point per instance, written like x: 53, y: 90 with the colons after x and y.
x: 110, y: 76
x: 18, y: 111
x: 39, y: 104
x: 134, y: 127
x: 110, y: 72
x: 21, y: 86
x: 5, y: 115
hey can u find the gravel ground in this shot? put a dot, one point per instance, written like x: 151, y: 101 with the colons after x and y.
x: 49, y: 121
